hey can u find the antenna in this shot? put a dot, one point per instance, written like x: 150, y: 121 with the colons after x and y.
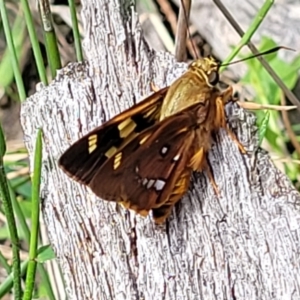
x: 272, y: 50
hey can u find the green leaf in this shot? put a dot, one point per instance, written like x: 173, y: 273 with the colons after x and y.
x: 263, y: 127
x: 45, y: 253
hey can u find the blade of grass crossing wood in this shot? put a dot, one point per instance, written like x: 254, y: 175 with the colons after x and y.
x: 35, y: 216
x: 263, y: 127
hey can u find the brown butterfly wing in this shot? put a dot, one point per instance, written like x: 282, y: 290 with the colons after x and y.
x: 130, y: 177
x: 85, y: 157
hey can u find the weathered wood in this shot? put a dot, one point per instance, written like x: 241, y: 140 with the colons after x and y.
x: 241, y: 245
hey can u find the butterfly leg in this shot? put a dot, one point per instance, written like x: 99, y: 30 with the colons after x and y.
x: 225, y: 97
x: 154, y: 87
x: 221, y: 101
x: 199, y: 163
x: 208, y: 169
x: 128, y: 205
x: 235, y: 139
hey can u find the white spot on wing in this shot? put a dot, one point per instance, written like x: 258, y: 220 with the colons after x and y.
x: 159, y: 184
x: 176, y: 158
x: 164, y: 150
x: 150, y: 183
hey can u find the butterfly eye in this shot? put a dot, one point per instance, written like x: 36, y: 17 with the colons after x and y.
x: 213, y: 78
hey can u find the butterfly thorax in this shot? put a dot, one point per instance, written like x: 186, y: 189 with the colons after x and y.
x: 196, y: 85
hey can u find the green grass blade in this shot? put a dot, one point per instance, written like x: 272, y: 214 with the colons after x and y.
x: 35, y: 217
x: 251, y: 30
x: 41, y: 269
x: 52, y: 52
x: 50, y: 37
x: 8, y: 209
x: 4, y: 263
x: 19, y: 214
x: 6, y: 70
x: 34, y: 42
x: 13, y: 54
x: 6, y: 285
x: 2, y: 144
x: 263, y: 126
x: 46, y: 253
x: 77, y: 39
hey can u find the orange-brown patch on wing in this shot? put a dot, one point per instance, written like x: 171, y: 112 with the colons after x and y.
x: 196, y: 162
x: 161, y: 213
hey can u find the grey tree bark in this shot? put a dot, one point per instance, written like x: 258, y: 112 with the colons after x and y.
x: 241, y: 245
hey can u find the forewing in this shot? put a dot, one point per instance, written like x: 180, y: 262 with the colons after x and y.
x: 85, y: 157
x: 144, y: 173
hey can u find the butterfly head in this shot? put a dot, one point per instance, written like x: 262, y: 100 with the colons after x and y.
x: 207, y: 69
